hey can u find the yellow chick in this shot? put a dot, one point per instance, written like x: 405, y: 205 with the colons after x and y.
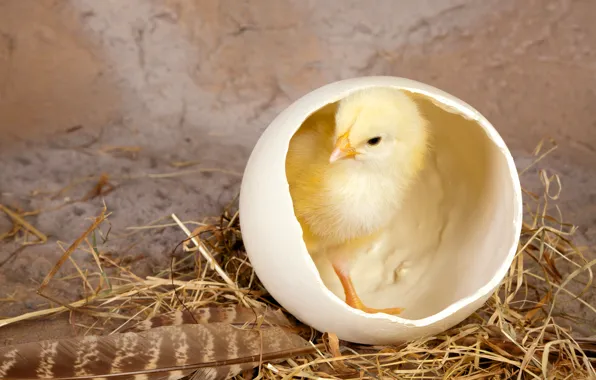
x: 348, y: 172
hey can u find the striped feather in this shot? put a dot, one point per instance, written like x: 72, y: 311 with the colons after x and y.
x: 235, y: 315
x: 212, y: 351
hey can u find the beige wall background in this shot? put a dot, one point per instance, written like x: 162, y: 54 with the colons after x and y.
x: 194, y: 80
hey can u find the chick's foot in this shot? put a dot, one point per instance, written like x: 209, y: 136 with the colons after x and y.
x: 352, y: 298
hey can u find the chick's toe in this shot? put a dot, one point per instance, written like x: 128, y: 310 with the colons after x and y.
x: 352, y: 298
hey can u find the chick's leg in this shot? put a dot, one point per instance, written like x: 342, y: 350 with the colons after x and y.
x: 341, y: 265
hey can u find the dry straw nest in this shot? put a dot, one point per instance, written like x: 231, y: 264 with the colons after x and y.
x: 522, y: 332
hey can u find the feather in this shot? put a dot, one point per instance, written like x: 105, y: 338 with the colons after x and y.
x: 236, y: 315
x: 216, y: 350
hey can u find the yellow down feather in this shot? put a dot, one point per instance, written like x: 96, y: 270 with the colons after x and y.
x: 349, y: 201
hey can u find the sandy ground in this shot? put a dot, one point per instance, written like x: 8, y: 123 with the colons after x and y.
x: 197, y: 81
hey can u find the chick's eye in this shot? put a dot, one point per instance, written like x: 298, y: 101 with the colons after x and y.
x: 374, y: 141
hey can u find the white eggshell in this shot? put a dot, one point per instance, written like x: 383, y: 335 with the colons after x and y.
x: 456, y: 238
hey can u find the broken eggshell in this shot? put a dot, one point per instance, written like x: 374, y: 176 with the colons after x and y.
x: 453, y: 243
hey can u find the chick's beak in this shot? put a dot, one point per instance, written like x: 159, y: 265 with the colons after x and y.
x: 342, y: 150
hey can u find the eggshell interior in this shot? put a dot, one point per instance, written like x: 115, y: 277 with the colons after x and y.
x: 444, y: 255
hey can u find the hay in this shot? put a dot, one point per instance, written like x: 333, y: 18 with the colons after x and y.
x: 521, y: 332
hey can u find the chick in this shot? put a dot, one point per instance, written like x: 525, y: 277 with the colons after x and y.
x: 348, y: 171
